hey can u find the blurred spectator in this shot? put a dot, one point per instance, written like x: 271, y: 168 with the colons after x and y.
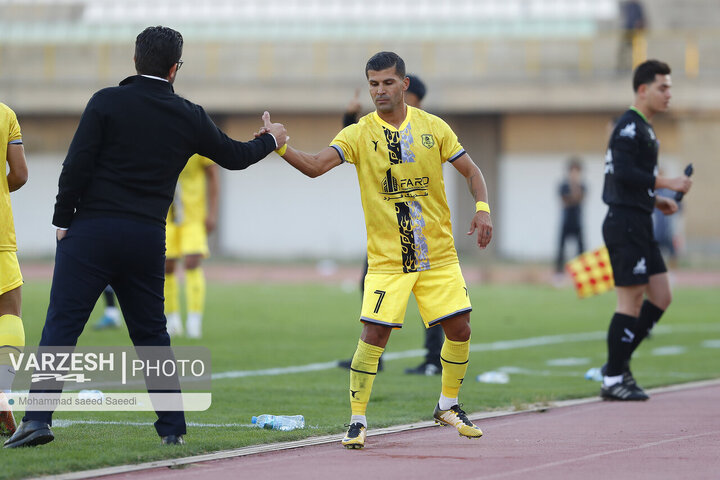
x: 572, y: 192
x: 632, y: 15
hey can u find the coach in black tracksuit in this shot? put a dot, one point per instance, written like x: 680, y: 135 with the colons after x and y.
x: 631, y: 177
x: 115, y: 189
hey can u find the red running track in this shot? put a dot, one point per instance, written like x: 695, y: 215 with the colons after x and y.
x: 674, y: 435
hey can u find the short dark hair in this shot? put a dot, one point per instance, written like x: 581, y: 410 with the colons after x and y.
x: 417, y: 87
x: 157, y: 49
x: 574, y: 162
x: 383, y: 60
x: 646, y: 71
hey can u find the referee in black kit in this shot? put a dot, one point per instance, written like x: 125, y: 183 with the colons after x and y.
x: 115, y: 188
x: 631, y: 178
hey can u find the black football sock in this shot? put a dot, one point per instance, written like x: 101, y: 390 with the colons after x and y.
x: 619, y: 340
x: 109, y: 298
x: 649, y: 315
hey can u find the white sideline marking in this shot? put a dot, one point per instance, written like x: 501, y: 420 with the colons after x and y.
x: 567, y: 362
x: 669, y: 350
x: 477, y: 347
x: 711, y: 344
x: 67, y: 423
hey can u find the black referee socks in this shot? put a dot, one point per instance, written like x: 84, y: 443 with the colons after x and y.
x: 649, y: 315
x: 619, y: 340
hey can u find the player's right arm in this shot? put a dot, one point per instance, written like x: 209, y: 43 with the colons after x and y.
x: 313, y: 165
x: 18, y: 174
x: 678, y: 184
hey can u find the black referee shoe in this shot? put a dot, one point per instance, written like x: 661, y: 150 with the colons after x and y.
x: 624, y: 392
x: 628, y: 378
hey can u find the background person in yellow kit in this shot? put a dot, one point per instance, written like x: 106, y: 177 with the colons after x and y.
x: 12, y: 333
x: 192, y: 216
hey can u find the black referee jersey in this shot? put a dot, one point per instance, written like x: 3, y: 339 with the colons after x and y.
x: 631, y: 163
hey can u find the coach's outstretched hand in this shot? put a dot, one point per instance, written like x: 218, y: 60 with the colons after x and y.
x: 276, y: 129
x: 482, y: 223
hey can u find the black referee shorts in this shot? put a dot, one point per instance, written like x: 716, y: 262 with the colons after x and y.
x: 634, y: 253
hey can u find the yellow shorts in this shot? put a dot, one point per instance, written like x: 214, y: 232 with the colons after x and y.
x: 440, y: 293
x: 10, y: 276
x: 186, y: 239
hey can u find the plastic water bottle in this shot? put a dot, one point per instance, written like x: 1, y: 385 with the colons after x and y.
x: 594, y: 374
x: 283, y: 423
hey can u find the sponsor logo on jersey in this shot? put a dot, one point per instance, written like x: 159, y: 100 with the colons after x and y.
x: 628, y: 130
x: 393, y: 188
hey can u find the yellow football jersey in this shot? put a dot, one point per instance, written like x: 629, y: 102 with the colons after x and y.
x: 402, y: 189
x: 190, y: 202
x: 9, y: 134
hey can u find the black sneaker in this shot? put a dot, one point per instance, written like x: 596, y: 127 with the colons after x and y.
x: 624, y: 392
x: 628, y: 378
x: 428, y: 369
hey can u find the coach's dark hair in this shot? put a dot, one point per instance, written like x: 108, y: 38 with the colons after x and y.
x: 646, y: 71
x: 157, y: 49
x: 383, y: 60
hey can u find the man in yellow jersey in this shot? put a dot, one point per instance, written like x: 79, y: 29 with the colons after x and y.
x: 12, y: 334
x: 192, y: 216
x: 398, y: 152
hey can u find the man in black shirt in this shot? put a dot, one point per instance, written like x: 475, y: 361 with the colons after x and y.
x: 572, y: 193
x: 115, y: 188
x: 631, y: 178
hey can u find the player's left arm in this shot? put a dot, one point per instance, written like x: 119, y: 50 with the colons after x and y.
x: 212, y: 178
x: 478, y: 189
x: 18, y: 171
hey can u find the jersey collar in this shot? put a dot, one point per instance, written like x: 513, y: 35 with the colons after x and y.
x: 403, y: 125
x: 642, y: 115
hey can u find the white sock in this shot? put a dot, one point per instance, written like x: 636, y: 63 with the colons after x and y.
x: 610, y: 381
x: 194, y: 325
x: 358, y: 419
x: 446, y: 403
x: 174, y: 325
